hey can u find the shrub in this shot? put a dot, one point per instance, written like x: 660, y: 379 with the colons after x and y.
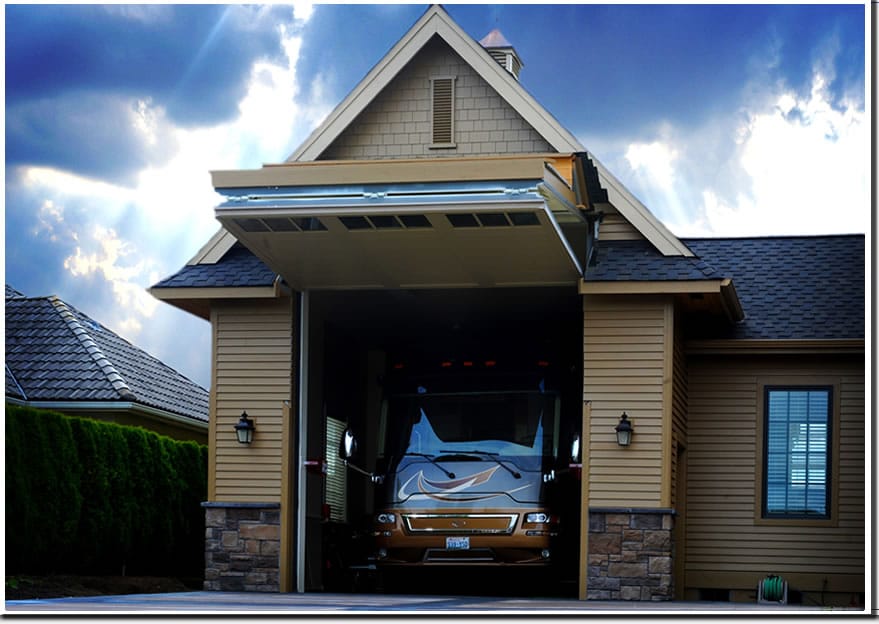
x: 90, y: 497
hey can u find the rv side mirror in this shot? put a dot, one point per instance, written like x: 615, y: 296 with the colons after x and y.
x: 575, y: 449
x: 347, y: 445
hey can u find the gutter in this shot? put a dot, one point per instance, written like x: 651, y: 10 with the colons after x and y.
x: 106, y: 406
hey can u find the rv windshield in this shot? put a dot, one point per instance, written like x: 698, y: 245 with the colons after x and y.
x: 517, y: 427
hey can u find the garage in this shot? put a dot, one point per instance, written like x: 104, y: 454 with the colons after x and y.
x: 471, y: 347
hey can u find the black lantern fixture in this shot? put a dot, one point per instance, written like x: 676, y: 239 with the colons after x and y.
x: 245, y: 429
x: 624, y: 431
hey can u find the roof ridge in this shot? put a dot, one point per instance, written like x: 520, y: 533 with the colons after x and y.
x: 81, y: 333
x: 686, y: 239
x: 17, y: 385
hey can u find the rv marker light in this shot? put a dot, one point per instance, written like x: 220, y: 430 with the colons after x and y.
x: 537, y: 518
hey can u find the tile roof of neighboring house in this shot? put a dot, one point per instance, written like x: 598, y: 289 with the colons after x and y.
x: 238, y: 268
x: 54, y: 352
x: 12, y: 293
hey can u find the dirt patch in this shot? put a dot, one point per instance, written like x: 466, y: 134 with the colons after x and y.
x: 63, y: 586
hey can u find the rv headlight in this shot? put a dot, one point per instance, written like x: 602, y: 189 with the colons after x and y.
x: 537, y: 518
x: 386, y: 518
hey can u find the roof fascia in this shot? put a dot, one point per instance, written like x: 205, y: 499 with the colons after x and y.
x: 236, y: 292
x: 435, y: 21
x: 853, y: 346
x: 669, y: 287
x: 396, y: 171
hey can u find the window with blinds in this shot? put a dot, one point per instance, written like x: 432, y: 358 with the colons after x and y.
x: 443, y: 111
x: 797, y: 453
x: 336, y: 482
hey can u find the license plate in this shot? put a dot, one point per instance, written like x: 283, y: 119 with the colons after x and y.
x: 457, y: 543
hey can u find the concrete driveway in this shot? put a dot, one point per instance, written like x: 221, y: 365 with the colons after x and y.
x: 322, y: 603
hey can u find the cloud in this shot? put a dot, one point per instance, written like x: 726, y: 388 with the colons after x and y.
x: 77, y: 77
x: 101, y: 234
x: 789, y: 161
x: 110, y: 257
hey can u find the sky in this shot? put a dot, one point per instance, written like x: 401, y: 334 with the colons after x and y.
x: 723, y: 120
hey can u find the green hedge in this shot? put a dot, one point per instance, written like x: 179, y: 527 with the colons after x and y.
x: 88, y: 497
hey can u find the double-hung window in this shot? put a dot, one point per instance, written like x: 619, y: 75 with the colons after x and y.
x: 797, y: 452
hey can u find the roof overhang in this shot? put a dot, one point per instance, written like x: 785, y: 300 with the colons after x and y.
x: 448, y: 223
x: 197, y: 301
x: 718, y: 295
x: 854, y: 346
x: 105, y: 407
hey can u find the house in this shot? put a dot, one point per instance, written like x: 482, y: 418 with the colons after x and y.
x: 440, y: 202
x: 57, y: 358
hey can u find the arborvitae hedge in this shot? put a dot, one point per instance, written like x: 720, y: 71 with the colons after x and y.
x: 88, y: 497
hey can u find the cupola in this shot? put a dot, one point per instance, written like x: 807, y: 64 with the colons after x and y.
x: 502, y: 51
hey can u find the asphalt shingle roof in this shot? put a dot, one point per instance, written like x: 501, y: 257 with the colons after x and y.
x: 803, y: 287
x: 790, y: 287
x: 638, y: 260
x: 54, y: 352
x: 238, y: 268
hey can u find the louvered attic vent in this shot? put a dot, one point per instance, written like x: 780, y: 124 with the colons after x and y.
x: 443, y: 99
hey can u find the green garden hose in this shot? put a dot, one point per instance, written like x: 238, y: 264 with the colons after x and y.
x: 773, y: 588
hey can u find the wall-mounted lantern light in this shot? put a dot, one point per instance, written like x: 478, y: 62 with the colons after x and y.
x: 624, y: 431
x: 245, y: 429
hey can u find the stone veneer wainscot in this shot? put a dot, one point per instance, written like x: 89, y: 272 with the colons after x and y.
x: 630, y: 554
x: 242, y: 547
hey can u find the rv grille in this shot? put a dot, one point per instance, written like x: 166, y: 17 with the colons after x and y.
x: 460, y: 524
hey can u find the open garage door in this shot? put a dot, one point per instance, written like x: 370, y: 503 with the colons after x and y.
x: 442, y: 235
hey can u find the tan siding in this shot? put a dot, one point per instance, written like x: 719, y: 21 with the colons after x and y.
x: 625, y: 359
x: 727, y: 545
x: 397, y: 123
x: 253, y: 364
x: 679, y: 407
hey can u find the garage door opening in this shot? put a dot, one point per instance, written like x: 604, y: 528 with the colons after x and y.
x: 463, y: 404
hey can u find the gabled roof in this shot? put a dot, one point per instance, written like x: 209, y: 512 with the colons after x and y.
x: 435, y: 21
x: 56, y: 353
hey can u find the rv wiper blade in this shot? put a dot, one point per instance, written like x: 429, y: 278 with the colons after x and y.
x: 450, y: 475
x: 493, y: 456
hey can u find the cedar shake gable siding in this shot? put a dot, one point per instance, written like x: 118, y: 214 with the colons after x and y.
x: 397, y: 123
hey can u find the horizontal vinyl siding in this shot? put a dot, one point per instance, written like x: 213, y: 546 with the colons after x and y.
x: 726, y: 546
x: 624, y: 355
x: 253, y: 366
x: 679, y: 408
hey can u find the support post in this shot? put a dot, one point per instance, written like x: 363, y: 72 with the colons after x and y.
x: 584, y: 501
x: 302, y: 450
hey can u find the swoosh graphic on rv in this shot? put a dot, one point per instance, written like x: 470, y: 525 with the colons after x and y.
x: 452, y: 490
